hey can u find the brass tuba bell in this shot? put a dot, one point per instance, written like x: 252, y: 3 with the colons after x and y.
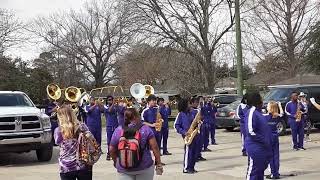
x: 54, y: 91
x: 73, y: 94
x: 149, y: 90
x: 138, y: 90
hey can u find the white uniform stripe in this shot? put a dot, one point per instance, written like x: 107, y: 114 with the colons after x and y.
x: 249, y: 168
x: 175, y: 121
x: 285, y: 109
x: 242, y: 141
x: 186, y: 158
x: 142, y: 118
x: 85, y: 109
x: 237, y: 112
x: 250, y: 128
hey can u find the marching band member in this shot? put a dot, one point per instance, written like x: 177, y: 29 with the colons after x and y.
x: 149, y: 117
x: 50, y: 109
x: 194, y: 110
x: 112, y: 121
x: 206, y: 112
x: 214, y: 110
x: 165, y: 112
x: 258, y: 140
x: 240, y: 113
x: 121, y: 108
x: 82, y: 111
x: 305, y: 115
x: 296, y: 121
x: 182, y: 124
x: 94, y: 111
x: 275, y: 113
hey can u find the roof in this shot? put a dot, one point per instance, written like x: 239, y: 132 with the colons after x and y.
x: 11, y: 92
x: 301, y: 79
x: 293, y: 85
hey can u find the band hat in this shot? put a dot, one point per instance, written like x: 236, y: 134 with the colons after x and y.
x: 302, y: 94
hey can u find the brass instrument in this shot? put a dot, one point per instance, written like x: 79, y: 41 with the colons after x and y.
x: 298, y: 113
x: 149, y: 90
x: 138, y: 90
x: 54, y: 91
x: 73, y: 94
x: 159, y: 121
x: 194, y: 129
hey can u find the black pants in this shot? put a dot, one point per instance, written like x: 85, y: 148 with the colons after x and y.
x: 77, y: 175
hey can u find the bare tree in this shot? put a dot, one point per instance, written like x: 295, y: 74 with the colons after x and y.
x: 195, y: 26
x: 10, y: 30
x: 92, y: 36
x: 282, y: 26
x: 161, y: 67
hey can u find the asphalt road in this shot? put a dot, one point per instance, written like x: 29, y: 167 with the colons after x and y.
x: 224, y: 162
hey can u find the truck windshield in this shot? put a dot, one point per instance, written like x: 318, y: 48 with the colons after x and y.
x: 15, y: 100
x: 278, y: 94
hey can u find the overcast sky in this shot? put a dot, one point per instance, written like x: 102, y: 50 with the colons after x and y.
x: 26, y: 10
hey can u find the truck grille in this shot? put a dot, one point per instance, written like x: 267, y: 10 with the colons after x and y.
x: 7, y: 119
x: 29, y: 118
x: 31, y: 126
x: 7, y: 127
x: 20, y: 136
x: 19, y: 124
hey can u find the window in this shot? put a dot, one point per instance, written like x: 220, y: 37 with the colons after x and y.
x: 15, y: 100
x: 278, y: 94
x: 227, y: 99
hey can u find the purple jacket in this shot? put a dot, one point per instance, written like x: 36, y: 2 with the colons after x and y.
x: 68, y: 161
x: 257, y: 130
x: 291, y: 109
x: 165, y: 113
x: 146, y: 135
x: 111, y: 116
x: 183, y: 122
x: 93, y: 116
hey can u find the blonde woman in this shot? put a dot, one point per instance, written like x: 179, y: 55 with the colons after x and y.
x: 66, y: 136
x: 275, y: 113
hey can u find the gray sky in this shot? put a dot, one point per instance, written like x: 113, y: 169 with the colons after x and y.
x: 26, y: 10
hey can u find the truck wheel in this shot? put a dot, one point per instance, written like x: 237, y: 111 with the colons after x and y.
x: 230, y: 129
x: 281, y: 126
x: 45, y: 152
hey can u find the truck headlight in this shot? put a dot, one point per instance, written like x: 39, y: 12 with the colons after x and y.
x: 45, y: 121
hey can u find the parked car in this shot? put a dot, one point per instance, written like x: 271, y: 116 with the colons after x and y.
x: 23, y: 127
x: 282, y: 93
x: 226, y: 99
x: 226, y: 116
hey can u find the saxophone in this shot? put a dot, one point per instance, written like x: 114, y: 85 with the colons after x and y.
x: 193, y: 130
x: 159, y: 121
x: 298, y: 113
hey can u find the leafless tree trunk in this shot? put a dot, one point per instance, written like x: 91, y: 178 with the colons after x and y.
x: 93, y: 36
x: 196, y: 26
x: 288, y: 24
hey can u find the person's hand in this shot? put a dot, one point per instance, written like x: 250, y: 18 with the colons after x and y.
x: 312, y: 100
x: 153, y: 125
x: 159, y: 169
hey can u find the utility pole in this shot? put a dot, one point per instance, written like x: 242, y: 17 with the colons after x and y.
x: 239, y: 49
